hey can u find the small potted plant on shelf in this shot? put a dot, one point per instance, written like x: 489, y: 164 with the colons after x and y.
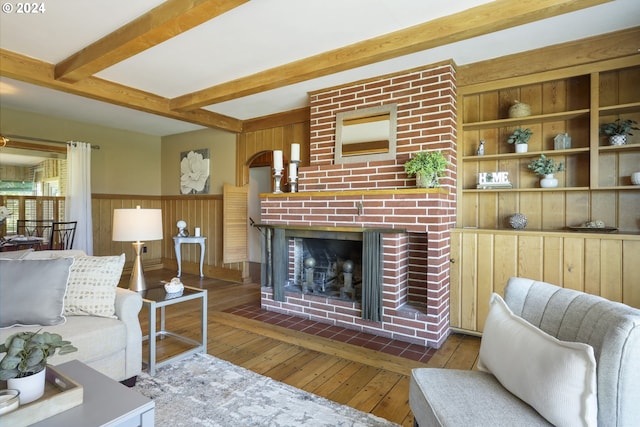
x: 546, y: 167
x: 520, y: 137
x: 618, y: 130
x: 428, y: 167
x: 23, y: 365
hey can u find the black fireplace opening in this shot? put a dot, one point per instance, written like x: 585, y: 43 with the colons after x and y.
x: 325, y: 267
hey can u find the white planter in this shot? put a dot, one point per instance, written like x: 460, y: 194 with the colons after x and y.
x: 548, y: 181
x: 426, y: 180
x: 522, y: 148
x: 618, y: 139
x: 31, y: 388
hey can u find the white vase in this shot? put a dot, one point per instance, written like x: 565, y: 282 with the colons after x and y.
x: 618, y: 139
x: 522, y: 148
x: 424, y: 180
x: 548, y: 181
x: 31, y: 388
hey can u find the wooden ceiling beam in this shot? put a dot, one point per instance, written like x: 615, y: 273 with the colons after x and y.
x: 474, y: 22
x: 23, y: 68
x: 168, y: 20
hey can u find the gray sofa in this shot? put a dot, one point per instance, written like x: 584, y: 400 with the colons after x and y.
x: 442, y: 397
x: 112, y: 346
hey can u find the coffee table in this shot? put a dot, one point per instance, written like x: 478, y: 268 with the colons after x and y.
x: 157, y: 297
x: 105, y: 403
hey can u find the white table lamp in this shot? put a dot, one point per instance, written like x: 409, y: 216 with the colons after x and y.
x: 137, y: 225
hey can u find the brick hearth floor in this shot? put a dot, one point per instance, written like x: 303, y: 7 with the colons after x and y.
x: 362, y: 339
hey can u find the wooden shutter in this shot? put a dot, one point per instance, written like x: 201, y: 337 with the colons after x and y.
x: 235, y: 220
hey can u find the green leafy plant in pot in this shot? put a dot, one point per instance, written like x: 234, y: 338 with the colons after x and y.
x: 26, y: 359
x: 618, y: 130
x: 520, y: 137
x: 546, y: 167
x: 427, y: 167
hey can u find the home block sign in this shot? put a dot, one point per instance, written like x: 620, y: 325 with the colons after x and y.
x: 488, y: 180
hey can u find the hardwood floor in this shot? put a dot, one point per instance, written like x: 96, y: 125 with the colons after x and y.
x: 365, y: 379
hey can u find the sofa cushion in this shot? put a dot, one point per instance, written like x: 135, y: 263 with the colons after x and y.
x: 32, y: 291
x: 95, y: 337
x: 557, y: 378
x: 92, y: 286
x: 452, y: 397
x: 21, y: 254
x: 46, y: 254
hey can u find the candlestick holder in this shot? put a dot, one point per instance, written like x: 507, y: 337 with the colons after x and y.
x: 292, y: 184
x: 293, y: 178
x: 277, y: 176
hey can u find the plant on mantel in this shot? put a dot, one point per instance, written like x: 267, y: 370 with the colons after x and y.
x: 428, y: 167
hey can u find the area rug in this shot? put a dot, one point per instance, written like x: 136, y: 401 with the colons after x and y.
x: 205, y: 391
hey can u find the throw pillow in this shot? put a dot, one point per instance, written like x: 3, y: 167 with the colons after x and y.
x: 92, y: 286
x: 32, y: 291
x: 557, y: 378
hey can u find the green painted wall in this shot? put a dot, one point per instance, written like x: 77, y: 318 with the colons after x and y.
x: 222, y: 165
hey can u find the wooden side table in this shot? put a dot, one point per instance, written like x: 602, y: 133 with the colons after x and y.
x: 177, y: 241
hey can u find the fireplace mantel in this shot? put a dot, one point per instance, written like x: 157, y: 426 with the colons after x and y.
x: 382, y: 191
x: 313, y: 228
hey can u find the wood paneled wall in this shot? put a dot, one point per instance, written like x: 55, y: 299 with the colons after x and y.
x: 198, y: 211
x: 277, y: 138
x: 483, y: 261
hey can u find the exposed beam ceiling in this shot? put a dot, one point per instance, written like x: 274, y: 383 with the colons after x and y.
x: 117, y: 63
x: 168, y: 20
x: 473, y: 22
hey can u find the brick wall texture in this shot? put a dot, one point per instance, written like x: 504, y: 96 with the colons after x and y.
x: 416, y: 262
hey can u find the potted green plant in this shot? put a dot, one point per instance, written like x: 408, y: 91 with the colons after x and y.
x: 618, y: 130
x: 427, y: 167
x: 546, y: 167
x: 23, y: 365
x: 520, y: 137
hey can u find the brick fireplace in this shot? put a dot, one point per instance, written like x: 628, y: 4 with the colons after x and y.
x: 378, y: 195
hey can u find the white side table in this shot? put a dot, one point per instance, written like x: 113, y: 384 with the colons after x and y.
x: 177, y: 241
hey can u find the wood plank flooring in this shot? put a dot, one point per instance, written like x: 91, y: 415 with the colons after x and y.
x: 365, y: 379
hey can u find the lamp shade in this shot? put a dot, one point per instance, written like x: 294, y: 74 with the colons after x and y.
x: 135, y: 225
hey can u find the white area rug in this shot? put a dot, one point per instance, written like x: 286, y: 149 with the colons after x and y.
x: 205, y: 391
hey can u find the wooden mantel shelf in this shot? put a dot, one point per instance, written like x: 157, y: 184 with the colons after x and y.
x: 320, y: 228
x: 356, y: 193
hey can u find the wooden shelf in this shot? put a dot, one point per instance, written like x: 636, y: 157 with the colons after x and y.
x: 528, y: 154
x: 629, y: 147
x: 521, y: 121
x: 522, y: 190
x: 619, y: 109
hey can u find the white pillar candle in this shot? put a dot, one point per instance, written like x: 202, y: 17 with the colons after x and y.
x: 293, y: 170
x: 295, y: 152
x: 277, y: 159
x: 197, y: 232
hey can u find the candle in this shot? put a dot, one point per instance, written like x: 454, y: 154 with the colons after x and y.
x: 197, y: 232
x: 277, y: 159
x: 293, y: 171
x: 295, y: 152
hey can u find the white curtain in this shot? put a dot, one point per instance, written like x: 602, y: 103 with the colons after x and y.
x: 78, y: 199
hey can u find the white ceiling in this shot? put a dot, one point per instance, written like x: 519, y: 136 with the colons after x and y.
x: 253, y: 37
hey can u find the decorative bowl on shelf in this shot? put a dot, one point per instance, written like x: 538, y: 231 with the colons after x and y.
x: 519, y: 109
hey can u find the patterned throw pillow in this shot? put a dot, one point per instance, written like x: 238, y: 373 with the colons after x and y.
x: 91, y: 290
